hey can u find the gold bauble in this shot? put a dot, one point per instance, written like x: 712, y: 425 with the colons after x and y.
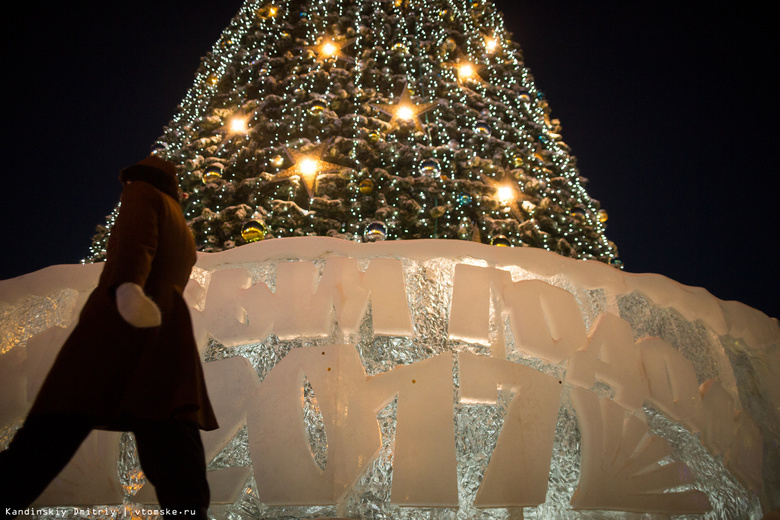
x: 500, y: 241
x: 212, y: 173
x: 317, y: 107
x: 254, y: 231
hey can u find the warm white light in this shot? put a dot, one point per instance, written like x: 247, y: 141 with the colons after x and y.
x: 466, y: 71
x: 308, y: 166
x: 238, y: 125
x: 490, y: 44
x: 405, y: 112
x: 328, y: 49
x: 505, y: 194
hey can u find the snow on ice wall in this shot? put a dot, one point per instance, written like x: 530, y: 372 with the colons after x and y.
x: 439, y: 379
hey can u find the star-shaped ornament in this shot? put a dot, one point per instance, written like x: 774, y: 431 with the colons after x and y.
x: 467, y: 71
x: 508, y: 193
x: 406, y: 110
x: 236, y: 125
x: 331, y: 48
x: 309, y: 166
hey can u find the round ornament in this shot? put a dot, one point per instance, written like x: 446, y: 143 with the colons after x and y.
x: 430, y: 168
x: 317, y: 107
x: 500, y: 241
x: 366, y: 186
x: 253, y: 231
x: 375, y: 232
x: 374, y: 137
x: 277, y: 161
x: 579, y: 212
x: 464, y: 199
x: 482, y: 128
x: 212, y: 173
x: 401, y: 48
x: 603, y: 216
x: 516, y: 161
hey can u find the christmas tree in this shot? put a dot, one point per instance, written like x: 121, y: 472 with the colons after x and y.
x: 368, y: 120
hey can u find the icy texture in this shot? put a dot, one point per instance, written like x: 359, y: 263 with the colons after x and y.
x: 693, y: 340
x: 131, y: 476
x: 729, y: 499
x: 700, y: 335
x: 315, y: 426
x: 23, y: 320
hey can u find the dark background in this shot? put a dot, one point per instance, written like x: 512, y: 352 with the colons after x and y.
x: 671, y: 112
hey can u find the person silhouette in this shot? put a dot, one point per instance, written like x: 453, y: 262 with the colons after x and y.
x: 130, y: 364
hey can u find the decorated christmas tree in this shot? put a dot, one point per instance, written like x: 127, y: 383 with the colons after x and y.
x: 368, y: 121
x: 418, y: 379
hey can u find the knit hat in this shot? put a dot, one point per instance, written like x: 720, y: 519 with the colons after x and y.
x: 156, y: 171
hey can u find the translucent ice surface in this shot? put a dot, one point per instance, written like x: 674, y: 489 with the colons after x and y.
x: 437, y: 380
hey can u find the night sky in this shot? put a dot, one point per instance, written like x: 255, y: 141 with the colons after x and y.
x: 669, y: 110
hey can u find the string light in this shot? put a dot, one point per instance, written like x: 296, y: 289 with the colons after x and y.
x: 510, y: 107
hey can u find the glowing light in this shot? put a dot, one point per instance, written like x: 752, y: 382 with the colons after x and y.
x: 308, y: 166
x: 466, y: 71
x: 328, y: 49
x: 277, y: 161
x: 405, y: 112
x: 238, y: 125
x: 505, y: 194
x: 491, y: 44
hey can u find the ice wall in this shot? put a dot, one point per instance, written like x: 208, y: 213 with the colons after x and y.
x: 438, y: 379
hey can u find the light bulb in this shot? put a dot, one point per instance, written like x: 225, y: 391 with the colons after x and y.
x: 505, y: 194
x: 404, y: 112
x: 238, y: 125
x: 308, y: 166
x: 328, y: 49
x: 466, y: 71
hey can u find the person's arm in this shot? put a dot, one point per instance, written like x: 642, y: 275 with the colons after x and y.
x: 132, y: 247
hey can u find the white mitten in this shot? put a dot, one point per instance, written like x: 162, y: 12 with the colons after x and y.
x: 135, y: 307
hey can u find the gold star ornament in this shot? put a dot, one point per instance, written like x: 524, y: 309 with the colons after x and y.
x: 330, y: 48
x: 405, y: 110
x: 309, y: 166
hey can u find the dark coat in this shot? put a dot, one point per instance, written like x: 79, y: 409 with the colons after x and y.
x: 113, y: 372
